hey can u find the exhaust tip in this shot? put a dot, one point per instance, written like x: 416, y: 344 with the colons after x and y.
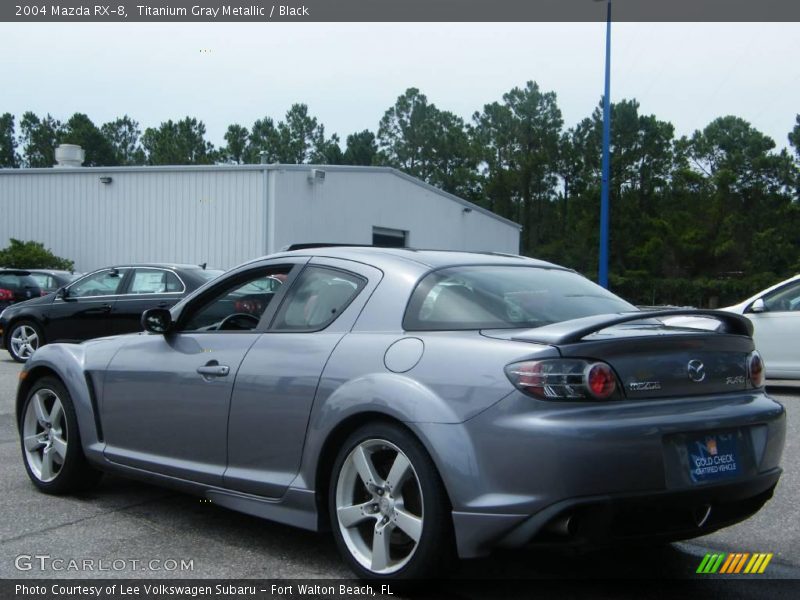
x: 701, y: 514
x: 563, y: 526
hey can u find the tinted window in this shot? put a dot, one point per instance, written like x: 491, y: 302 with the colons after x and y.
x: 155, y: 281
x: 17, y: 282
x: 238, y: 305
x: 784, y: 299
x: 317, y: 298
x: 103, y: 283
x: 46, y: 282
x: 490, y: 297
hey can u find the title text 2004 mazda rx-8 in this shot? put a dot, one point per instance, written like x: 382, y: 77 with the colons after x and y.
x: 414, y: 401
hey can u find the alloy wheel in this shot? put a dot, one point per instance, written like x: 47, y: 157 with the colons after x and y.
x: 379, y: 506
x: 24, y: 341
x: 44, y: 434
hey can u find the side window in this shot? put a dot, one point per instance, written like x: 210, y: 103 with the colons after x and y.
x: 784, y: 300
x: 102, y: 283
x: 45, y: 282
x: 155, y: 281
x: 318, y: 296
x: 239, y: 304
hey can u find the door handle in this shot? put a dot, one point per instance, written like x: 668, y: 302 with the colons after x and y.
x: 105, y: 308
x: 213, y: 369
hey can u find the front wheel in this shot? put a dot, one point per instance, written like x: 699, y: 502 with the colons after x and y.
x: 389, y: 510
x: 24, y: 339
x: 51, y: 444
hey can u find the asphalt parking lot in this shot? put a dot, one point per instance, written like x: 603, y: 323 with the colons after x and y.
x: 129, y: 521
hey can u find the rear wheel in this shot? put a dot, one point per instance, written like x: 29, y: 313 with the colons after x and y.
x: 51, y: 444
x: 25, y: 337
x: 389, y: 511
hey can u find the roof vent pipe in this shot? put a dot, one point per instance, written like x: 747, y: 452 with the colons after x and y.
x: 69, y: 156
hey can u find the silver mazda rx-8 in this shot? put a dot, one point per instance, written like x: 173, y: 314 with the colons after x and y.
x: 422, y: 405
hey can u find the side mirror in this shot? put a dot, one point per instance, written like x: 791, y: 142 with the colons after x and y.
x: 62, y: 292
x: 157, y: 320
x: 758, y: 306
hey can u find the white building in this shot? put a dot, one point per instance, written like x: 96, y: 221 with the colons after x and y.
x: 224, y: 215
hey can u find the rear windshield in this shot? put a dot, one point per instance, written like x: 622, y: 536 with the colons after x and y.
x: 17, y: 282
x: 493, y: 297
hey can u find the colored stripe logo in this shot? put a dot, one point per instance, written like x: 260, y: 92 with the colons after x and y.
x: 734, y: 563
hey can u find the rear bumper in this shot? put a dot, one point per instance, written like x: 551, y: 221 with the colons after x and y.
x: 617, y: 471
x: 608, y: 520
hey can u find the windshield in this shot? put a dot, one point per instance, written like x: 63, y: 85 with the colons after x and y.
x: 493, y: 297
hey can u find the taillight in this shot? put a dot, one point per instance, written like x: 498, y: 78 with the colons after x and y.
x: 755, y: 369
x: 6, y: 295
x: 563, y: 379
x: 600, y: 380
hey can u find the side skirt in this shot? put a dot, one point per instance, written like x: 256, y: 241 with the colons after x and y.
x: 297, y: 507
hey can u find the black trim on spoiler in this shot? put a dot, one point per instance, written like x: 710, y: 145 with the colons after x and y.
x: 569, y: 332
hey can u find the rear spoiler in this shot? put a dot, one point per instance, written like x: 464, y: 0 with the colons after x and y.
x: 570, y: 332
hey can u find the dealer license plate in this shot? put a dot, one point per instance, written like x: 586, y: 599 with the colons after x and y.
x: 713, y: 456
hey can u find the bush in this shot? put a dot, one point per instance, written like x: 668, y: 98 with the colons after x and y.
x: 32, y: 255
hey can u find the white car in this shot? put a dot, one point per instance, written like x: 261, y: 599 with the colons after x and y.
x: 775, y: 314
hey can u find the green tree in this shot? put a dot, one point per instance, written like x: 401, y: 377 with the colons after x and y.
x: 236, y: 137
x: 123, y: 133
x: 80, y: 130
x: 298, y: 139
x: 405, y: 134
x: 794, y: 136
x: 361, y: 148
x: 428, y: 143
x: 39, y: 138
x: 521, y: 138
x: 263, y: 142
x: 746, y: 194
x: 178, y: 143
x: 32, y: 255
x: 328, y: 151
x: 8, y: 142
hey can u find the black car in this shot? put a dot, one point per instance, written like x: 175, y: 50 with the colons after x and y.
x: 17, y: 285
x: 108, y: 301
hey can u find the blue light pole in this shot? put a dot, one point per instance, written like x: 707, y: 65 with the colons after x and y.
x: 604, y: 207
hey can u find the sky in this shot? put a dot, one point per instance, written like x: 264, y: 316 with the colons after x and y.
x: 349, y: 74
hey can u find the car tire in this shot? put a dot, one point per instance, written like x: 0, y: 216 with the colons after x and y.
x: 51, y: 443
x: 405, y: 503
x: 23, y: 339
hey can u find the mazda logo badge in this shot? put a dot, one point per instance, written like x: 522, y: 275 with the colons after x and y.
x: 697, y: 371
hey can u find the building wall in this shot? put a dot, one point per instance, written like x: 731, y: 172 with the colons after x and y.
x: 348, y: 204
x: 222, y: 215
x: 160, y: 215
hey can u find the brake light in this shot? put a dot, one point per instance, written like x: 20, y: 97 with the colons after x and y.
x: 600, y: 380
x: 6, y: 295
x: 563, y: 379
x: 755, y: 369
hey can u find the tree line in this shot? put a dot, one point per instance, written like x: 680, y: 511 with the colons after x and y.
x: 703, y: 219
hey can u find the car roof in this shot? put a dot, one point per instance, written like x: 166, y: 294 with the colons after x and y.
x: 52, y: 271
x: 173, y: 266
x: 429, y: 258
x: 10, y: 271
